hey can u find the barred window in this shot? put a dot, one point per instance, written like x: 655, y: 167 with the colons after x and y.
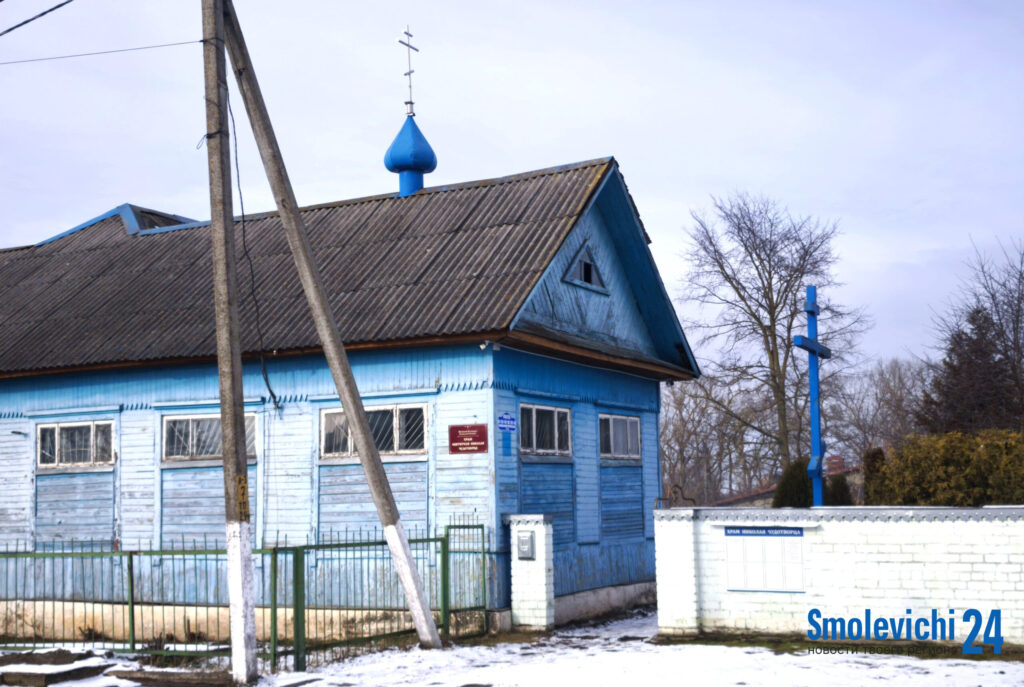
x: 545, y: 430
x: 395, y: 430
x: 198, y: 437
x: 68, y: 444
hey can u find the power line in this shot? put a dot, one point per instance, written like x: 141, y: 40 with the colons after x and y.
x: 101, y: 52
x: 32, y: 19
x: 248, y: 257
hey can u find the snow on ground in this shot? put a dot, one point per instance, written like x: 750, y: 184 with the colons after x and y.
x: 46, y: 668
x: 616, y: 653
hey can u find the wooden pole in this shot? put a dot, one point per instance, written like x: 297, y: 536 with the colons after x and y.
x: 229, y: 358
x: 327, y: 328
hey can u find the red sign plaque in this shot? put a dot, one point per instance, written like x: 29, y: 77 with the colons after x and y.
x: 467, y: 438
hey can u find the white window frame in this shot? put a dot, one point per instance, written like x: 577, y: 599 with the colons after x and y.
x: 611, y: 417
x: 352, y: 456
x: 534, y: 451
x: 202, y: 416
x: 56, y: 426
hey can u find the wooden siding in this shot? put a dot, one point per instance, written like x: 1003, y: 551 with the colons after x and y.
x: 611, y: 544
x: 592, y: 566
x: 139, y: 442
x: 75, y: 507
x: 464, y: 483
x: 16, y: 489
x: 651, y: 452
x: 300, y: 377
x: 506, y: 465
x: 621, y: 502
x: 586, y: 462
x: 548, y: 488
x: 290, y: 454
x: 193, y: 506
x: 459, y: 385
x: 345, y: 501
x: 612, y: 317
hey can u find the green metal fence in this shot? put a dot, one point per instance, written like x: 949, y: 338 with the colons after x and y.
x: 314, y: 603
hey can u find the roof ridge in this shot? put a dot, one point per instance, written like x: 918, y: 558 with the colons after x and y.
x: 478, y: 183
x: 128, y: 211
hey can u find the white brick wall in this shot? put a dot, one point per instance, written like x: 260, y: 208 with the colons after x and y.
x: 533, y: 581
x: 883, y: 559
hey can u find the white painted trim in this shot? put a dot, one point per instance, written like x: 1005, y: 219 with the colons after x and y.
x: 636, y: 459
x: 57, y: 467
x: 164, y: 419
x: 81, y: 468
x: 185, y: 405
x: 395, y: 456
x: 99, y: 410
x: 387, y: 458
x: 328, y: 398
x: 534, y: 451
x: 186, y: 463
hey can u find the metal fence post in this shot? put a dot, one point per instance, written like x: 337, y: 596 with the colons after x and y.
x: 273, y: 610
x: 131, y: 601
x: 299, y: 607
x: 483, y: 571
x: 445, y: 583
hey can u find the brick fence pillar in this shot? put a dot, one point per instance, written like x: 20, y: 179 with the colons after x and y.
x: 533, y: 572
x: 675, y: 556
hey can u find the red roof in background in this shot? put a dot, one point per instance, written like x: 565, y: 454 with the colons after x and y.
x: 768, y: 490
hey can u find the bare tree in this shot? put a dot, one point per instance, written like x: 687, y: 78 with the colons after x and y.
x: 877, y: 408
x: 708, y: 453
x: 750, y: 263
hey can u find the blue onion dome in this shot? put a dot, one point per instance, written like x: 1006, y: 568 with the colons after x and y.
x: 410, y: 152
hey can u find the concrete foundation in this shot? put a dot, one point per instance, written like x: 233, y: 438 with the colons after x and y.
x: 597, y: 602
x: 76, y: 621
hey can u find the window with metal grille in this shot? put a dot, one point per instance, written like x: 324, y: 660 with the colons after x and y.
x: 395, y: 429
x: 198, y: 437
x: 545, y: 430
x: 619, y: 436
x: 74, y: 444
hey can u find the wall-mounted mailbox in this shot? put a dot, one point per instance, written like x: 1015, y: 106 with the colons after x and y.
x: 524, y: 546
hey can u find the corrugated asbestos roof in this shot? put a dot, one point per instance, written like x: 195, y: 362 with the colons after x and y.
x: 444, y: 262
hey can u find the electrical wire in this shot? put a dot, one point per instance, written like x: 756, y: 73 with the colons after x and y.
x: 100, y: 52
x: 38, y: 16
x: 248, y: 257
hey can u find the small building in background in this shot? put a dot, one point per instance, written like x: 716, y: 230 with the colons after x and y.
x: 762, y: 497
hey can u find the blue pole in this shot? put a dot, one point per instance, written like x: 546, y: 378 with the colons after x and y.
x: 814, y: 351
x: 814, y: 467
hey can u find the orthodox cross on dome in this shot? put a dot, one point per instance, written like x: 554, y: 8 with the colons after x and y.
x: 409, y: 48
x: 814, y: 350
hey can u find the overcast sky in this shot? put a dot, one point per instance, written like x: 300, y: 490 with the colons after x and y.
x: 900, y: 120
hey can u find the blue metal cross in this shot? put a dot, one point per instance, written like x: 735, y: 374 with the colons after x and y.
x: 814, y: 350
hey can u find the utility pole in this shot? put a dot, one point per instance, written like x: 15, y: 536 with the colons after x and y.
x: 229, y: 358
x: 327, y: 329
x: 815, y: 351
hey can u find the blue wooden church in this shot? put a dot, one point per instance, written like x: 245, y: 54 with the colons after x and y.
x: 508, y: 337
